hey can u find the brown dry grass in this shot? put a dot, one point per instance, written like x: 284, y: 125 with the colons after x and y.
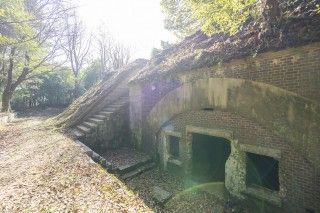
x: 44, y: 171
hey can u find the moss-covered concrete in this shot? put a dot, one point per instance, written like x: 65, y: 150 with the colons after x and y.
x: 136, y: 115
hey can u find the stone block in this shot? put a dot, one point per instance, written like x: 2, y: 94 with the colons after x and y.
x: 161, y: 195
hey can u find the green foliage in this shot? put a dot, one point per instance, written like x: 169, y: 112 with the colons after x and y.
x: 28, y: 43
x: 14, y: 19
x: 184, y: 17
x: 19, y: 30
x: 57, y: 87
x: 179, y: 18
x: 222, y: 15
x: 52, y: 89
x: 92, y: 74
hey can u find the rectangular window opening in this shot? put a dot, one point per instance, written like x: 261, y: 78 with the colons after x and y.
x: 310, y: 211
x: 262, y: 171
x: 207, y: 109
x: 174, y: 146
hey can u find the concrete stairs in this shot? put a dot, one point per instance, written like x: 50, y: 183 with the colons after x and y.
x: 90, y: 124
x: 129, y: 171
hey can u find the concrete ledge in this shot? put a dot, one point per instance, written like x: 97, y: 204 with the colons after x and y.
x: 223, y: 133
x: 175, y: 162
x: 269, y: 196
x: 95, y: 156
x: 172, y: 133
x: 274, y: 153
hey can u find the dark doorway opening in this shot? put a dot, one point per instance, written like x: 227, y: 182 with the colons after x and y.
x: 262, y: 171
x: 174, y: 146
x: 310, y: 211
x: 209, y: 156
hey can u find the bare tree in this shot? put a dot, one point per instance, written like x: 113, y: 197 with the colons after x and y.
x: 104, y: 45
x: 113, y: 54
x: 76, y: 48
x: 120, y: 55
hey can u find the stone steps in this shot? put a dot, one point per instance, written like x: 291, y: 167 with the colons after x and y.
x: 77, y: 134
x: 130, y: 167
x: 111, y: 109
x: 122, y: 101
x: 106, y: 113
x: 83, y: 129
x: 138, y: 171
x: 94, y: 121
x: 132, y: 170
x: 90, y: 124
x: 101, y: 117
x: 114, y: 106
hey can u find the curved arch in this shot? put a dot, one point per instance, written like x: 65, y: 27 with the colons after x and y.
x: 288, y: 115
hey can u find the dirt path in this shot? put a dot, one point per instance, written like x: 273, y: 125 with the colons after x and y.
x: 43, y: 171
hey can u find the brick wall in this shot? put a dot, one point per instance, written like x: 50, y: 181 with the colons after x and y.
x: 294, y: 69
x: 298, y: 180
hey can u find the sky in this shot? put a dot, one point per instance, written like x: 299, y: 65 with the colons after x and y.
x: 136, y: 23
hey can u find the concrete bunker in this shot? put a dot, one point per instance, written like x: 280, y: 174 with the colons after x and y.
x: 209, y: 156
x: 249, y: 99
x: 246, y: 102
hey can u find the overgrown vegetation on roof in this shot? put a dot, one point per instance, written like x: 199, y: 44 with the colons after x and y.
x: 298, y: 24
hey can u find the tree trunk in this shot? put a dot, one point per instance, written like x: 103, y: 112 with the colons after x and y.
x: 76, y: 88
x: 6, y: 98
x: 7, y: 93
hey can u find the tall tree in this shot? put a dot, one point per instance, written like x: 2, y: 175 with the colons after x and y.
x: 179, y: 18
x: 213, y: 16
x: 222, y: 15
x: 29, y: 42
x: 77, y: 47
